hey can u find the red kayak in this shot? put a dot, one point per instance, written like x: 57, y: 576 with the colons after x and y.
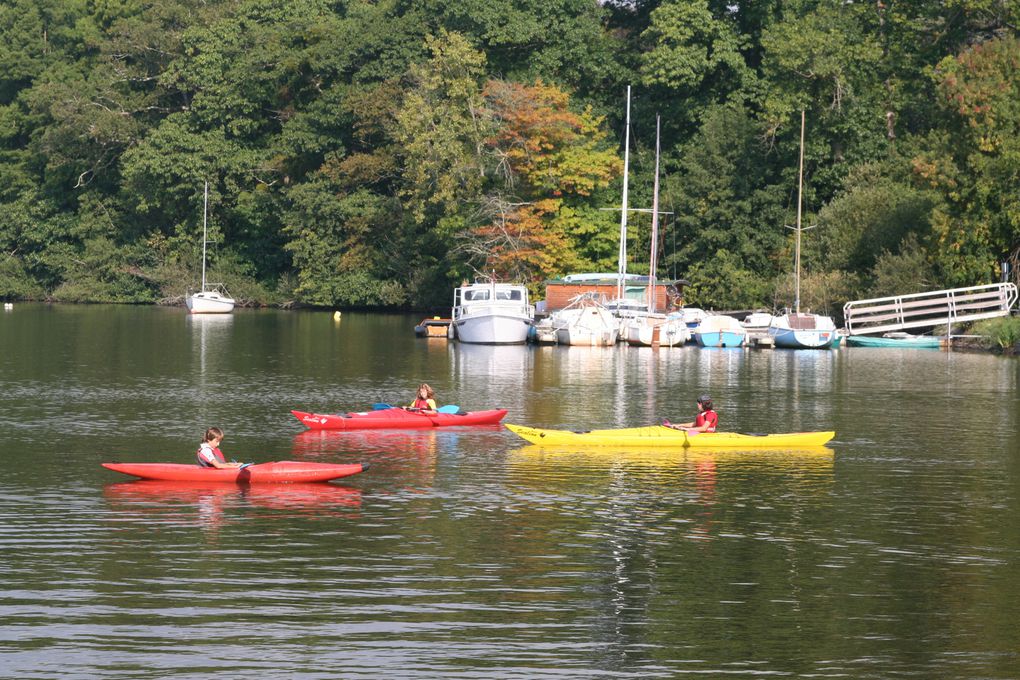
x: 284, y: 471
x: 396, y: 418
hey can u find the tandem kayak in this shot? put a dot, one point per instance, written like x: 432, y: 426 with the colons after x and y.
x: 396, y: 418
x: 660, y: 436
x: 284, y: 471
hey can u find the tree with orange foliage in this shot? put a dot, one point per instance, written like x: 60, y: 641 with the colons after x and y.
x: 547, y: 160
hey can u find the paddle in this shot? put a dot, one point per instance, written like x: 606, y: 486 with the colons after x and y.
x: 449, y: 408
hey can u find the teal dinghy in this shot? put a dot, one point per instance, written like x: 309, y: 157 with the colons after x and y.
x: 904, y: 342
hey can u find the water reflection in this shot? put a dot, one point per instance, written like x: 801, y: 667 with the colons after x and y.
x: 809, y: 460
x: 467, y: 556
x: 496, y: 376
x: 210, y: 336
x: 211, y: 505
x: 331, y: 443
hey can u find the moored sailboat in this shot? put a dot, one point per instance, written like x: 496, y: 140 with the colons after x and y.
x: 213, y: 297
x: 796, y: 330
x: 585, y: 322
x: 719, y: 330
x: 649, y: 328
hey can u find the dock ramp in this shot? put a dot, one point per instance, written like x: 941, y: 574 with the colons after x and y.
x: 924, y: 310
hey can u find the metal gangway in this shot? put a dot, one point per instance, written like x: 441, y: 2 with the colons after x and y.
x: 925, y: 310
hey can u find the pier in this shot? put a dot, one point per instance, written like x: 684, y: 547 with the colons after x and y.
x: 926, y: 310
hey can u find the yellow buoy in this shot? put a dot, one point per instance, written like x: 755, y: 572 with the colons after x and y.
x: 336, y: 316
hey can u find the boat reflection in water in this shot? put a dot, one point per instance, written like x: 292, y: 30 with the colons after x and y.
x: 331, y: 443
x: 808, y: 459
x: 212, y: 504
x: 211, y: 336
x: 407, y: 458
x: 673, y: 489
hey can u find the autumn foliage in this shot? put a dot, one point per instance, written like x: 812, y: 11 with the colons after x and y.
x: 544, y: 157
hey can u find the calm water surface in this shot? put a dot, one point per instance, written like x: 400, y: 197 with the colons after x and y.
x: 466, y: 554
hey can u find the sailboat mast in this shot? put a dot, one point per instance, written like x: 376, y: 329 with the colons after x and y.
x: 621, y: 271
x: 655, y: 226
x: 800, y: 193
x: 205, y: 217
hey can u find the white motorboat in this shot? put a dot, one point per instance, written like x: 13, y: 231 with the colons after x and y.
x: 585, y: 322
x: 213, y: 297
x: 492, y: 313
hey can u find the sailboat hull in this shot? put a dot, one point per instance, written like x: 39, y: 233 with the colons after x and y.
x: 650, y: 331
x: 803, y: 331
x: 801, y: 339
x: 209, y: 302
x: 720, y: 338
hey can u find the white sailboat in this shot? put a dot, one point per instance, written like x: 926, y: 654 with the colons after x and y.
x: 213, y: 297
x: 621, y: 306
x: 585, y: 322
x: 795, y: 330
x: 650, y: 328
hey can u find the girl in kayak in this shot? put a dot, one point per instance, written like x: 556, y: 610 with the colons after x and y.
x: 706, y: 420
x: 425, y: 400
x: 209, y: 454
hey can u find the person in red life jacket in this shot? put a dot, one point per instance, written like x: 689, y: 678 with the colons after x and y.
x: 425, y: 400
x: 707, y: 419
x: 209, y: 454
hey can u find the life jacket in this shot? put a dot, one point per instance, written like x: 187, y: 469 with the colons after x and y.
x: 424, y: 404
x: 711, y: 417
x: 203, y: 460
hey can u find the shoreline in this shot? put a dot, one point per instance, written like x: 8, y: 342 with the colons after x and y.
x: 965, y: 343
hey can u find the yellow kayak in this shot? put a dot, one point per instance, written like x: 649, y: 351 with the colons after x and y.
x: 666, y: 437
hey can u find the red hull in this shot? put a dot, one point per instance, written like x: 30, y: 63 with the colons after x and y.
x: 285, y: 471
x: 295, y: 496
x: 396, y: 419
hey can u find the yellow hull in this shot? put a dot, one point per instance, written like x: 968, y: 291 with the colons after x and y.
x: 664, y: 437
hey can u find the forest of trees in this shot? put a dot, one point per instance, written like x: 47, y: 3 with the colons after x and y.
x: 374, y: 153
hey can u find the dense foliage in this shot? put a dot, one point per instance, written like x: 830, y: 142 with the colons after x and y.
x: 375, y: 153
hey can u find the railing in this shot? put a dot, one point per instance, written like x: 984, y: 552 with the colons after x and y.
x: 925, y: 310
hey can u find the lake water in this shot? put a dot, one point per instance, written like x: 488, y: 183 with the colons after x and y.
x: 466, y: 554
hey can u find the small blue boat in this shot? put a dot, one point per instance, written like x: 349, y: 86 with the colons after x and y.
x: 718, y: 330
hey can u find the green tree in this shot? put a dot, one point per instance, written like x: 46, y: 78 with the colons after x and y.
x: 722, y: 210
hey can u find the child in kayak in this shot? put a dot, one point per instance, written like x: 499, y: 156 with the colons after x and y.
x: 209, y: 454
x: 706, y: 420
x: 425, y: 400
